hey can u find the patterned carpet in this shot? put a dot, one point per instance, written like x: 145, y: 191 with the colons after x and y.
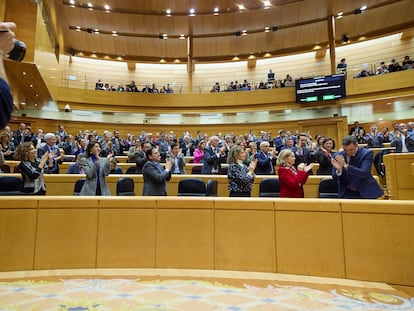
x: 182, y: 293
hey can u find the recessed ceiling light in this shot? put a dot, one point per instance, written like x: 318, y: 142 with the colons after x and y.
x: 241, y: 7
x: 107, y: 7
x: 168, y: 12
x: 216, y: 11
x: 192, y: 12
x: 267, y: 29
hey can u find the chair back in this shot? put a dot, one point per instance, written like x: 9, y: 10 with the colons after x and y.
x: 5, y: 168
x: 269, y: 187
x: 132, y: 170
x: 196, y: 169
x: 78, y: 186
x: 191, y: 187
x: 10, y: 185
x: 328, y: 188
x: 212, y: 187
x: 125, y: 187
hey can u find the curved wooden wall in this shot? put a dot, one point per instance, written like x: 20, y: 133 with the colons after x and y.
x: 335, y: 238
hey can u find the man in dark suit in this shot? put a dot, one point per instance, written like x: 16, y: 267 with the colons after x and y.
x: 301, y: 151
x: 355, y: 129
x: 155, y: 177
x: 352, y: 170
x: 265, y: 160
x: 213, y: 157
x: 52, y: 148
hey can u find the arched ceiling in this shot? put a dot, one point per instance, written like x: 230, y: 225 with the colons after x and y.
x: 135, y: 30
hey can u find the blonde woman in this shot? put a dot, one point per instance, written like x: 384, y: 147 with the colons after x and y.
x: 240, y: 176
x: 291, y: 179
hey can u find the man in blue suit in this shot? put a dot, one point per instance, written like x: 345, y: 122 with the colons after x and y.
x: 352, y: 170
x: 214, y: 155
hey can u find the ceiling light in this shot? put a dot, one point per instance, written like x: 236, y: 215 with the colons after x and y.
x: 78, y: 28
x: 244, y: 32
x: 266, y: 4
x: 216, y: 11
x: 267, y: 55
x: 114, y: 33
x: 363, y: 8
x: 192, y: 12
x: 72, y: 2
x: 168, y: 12
x: 251, y: 56
x: 176, y: 60
x: 163, y: 36
x: 235, y: 58
x: 241, y: 7
x: 162, y: 60
x: 24, y: 73
x: 107, y: 7
x: 182, y: 36
x: 90, y: 6
x: 267, y: 29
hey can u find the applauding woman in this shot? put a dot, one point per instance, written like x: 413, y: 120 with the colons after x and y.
x: 240, y: 176
x: 324, y: 155
x: 96, y: 169
x: 291, y: 179
x: 32, y: 168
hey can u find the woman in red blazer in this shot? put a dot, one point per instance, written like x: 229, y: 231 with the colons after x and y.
x: 291, y: 179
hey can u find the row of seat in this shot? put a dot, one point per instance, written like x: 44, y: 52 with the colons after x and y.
x: 268, y: 187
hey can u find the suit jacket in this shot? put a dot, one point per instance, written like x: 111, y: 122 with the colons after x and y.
x: 211, y: 161
x: 409, y: 142
x: 42, y: 150
x: 358, y: 175
x: 141, y: 160
x: 265, y: 165
x: 154, y: 179
x: 91, y: 169
x: 181, y: 164
x: 291, y: 185
x: 184, y: 149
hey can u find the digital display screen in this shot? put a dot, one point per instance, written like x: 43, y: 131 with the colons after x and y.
x: 320, y: 88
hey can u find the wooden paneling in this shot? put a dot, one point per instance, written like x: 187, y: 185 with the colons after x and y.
x: 18, y: 233
x: 66, y: 235
x: 310, y: 230
x: 398, y: 175
x: 23, y: 13
x: 126, y: 233
x: 355, y: 239
x: 185, y: 234
x: 378, y: 239
x: 245, y: 236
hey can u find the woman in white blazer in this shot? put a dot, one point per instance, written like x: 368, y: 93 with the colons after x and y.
x: 96, y: 169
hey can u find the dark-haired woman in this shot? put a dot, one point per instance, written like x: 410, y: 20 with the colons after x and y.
x: 96, y: 169
x: 32, y: 168
x: 324, y: 155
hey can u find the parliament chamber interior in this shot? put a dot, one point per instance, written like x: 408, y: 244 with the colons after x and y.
x: 95, y: 67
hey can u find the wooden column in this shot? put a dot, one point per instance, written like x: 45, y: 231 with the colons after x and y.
x: 331, y: 38
x: 190, y: 51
